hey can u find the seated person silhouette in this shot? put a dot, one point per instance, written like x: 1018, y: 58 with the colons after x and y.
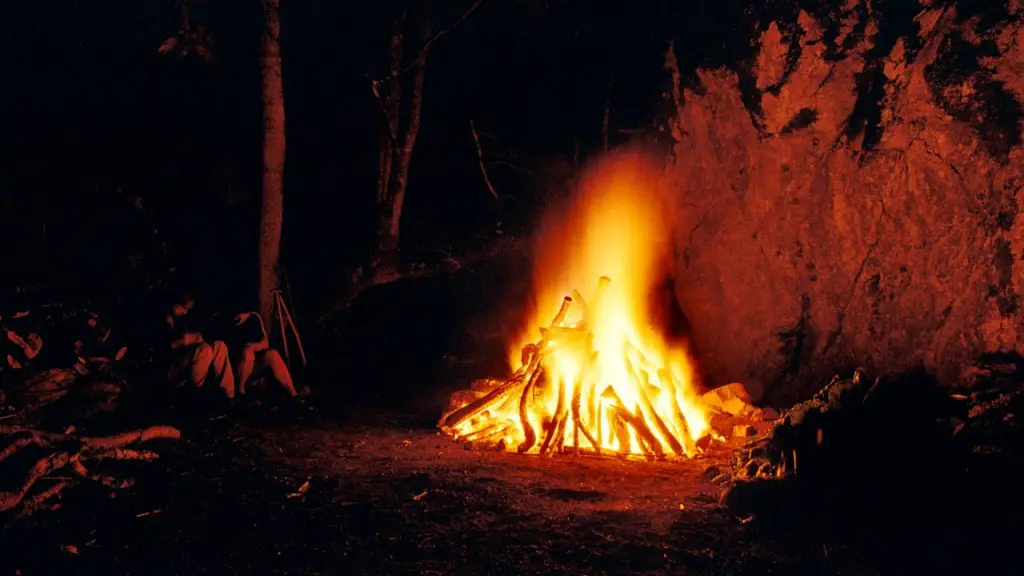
x: 254, y: 353
x: 192, y: 358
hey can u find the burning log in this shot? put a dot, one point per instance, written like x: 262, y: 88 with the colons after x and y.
x: 645, y: 438
x: 618, y: 429
x: 556, y: 430
x: 488, y: 433
x: 689, y: 446
x: 644, y: 435
x: 562, y: 311
x: 647, y: 407
x: 524, y: 417
x: 578, y: 424
x: 557, y: 421
x: 498, y: 395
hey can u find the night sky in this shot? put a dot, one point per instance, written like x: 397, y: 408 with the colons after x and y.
x: 96, y: 117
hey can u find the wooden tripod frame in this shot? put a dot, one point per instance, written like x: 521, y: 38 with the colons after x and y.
x: 286, y: 321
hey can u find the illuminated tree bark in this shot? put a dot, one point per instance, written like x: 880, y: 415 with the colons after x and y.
x: 272, y: 207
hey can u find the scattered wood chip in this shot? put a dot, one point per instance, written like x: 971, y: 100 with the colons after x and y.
x: 301, y: 491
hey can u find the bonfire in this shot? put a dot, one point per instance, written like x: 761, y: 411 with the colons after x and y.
x: 595, y: 378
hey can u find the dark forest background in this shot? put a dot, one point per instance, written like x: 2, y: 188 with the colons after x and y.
x: 98, y: 124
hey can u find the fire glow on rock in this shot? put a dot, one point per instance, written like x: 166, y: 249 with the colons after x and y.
x: 595, y: 377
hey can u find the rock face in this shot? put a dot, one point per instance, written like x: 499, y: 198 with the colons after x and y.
x: 848, y: 195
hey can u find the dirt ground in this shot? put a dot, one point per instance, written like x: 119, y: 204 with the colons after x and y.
x: 390, y: 496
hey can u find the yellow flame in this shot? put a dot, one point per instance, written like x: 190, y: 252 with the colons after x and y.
x: 615, y: 226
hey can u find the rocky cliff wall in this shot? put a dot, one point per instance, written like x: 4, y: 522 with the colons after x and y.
x: 849, y: 194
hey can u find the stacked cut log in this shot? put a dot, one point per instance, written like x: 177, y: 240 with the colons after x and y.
x: 516, y: 395
x: 36, y: 466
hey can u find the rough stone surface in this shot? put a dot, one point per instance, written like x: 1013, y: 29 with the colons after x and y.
x: 848, y: 195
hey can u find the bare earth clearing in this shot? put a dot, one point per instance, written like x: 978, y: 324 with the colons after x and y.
x: 396, y: 498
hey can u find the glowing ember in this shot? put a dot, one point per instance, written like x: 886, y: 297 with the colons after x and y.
x: 596, y: 378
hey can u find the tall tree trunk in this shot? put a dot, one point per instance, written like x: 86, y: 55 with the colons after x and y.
x: 386, y: 259
x: 272, y: 207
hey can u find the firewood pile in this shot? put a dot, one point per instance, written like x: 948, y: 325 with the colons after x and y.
x: 58, y: 369
x: 858, y: 430
x: 570, y: 396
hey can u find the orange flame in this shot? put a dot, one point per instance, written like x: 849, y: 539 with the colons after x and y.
x: 629, y: 388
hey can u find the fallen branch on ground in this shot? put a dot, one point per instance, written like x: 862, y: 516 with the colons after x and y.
x: 55, y: 452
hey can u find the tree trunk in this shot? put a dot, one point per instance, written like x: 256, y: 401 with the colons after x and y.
x: 391, y: 107
x: 400, y: 147
x: 272, y: 207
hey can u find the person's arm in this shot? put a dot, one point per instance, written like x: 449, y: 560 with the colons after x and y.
x: 182, y: 336
x: 187, y: 339
x: 252, y: 325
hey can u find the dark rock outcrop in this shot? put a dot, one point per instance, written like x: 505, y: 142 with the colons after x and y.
x: 849, y: 195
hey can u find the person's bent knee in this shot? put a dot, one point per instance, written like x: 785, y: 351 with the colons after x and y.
x: 203, y: 350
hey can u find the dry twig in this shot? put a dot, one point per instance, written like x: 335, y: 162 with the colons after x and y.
x: 480, y: 159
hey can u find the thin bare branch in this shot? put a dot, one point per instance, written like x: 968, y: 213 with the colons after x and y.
x: 439, y: 35
x: 509, y: 165
x: 480, y: 159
